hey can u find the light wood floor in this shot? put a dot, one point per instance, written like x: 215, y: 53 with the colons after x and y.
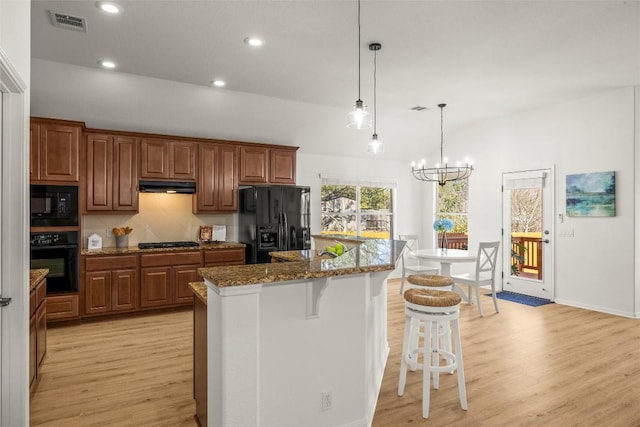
x: 545, y: 366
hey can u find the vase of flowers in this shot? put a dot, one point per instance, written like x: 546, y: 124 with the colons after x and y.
x: 442, y: 225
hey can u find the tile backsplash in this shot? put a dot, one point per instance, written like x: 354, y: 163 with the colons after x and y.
x: 161, y: 218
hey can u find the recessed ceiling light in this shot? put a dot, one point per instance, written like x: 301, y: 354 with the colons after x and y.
x: 254, y: 41
x: 109, y: 7
x: 105, y: 63
x: 218, y: 83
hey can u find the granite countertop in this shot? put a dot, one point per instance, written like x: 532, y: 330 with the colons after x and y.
x: 135, y: 250
x: 199, y: 289
x: 35, y: 276
x: 305, y: 255
x: 371, y: 256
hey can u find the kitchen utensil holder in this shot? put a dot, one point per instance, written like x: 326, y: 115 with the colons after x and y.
x: 122, y: 241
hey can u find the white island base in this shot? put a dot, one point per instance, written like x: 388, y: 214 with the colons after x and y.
x: 280, y: 353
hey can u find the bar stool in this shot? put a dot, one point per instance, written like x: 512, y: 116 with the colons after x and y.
x: 430, y: 281
x: 433, y: 282
x: 434, y: 308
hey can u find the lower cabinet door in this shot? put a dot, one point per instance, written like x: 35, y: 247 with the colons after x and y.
x: 41, y: 334
x: 33, y: 364
x: 97, y: 292
x: 155, y: 287
x: 181, y: 278
x: 123, y: 290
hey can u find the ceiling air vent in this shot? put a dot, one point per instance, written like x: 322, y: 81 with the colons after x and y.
x: 418, y: 108
x: 69, y: 22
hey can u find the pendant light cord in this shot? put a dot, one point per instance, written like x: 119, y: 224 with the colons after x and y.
x: 359, y: 49
x: 441, y: 135
x: 375, y: 110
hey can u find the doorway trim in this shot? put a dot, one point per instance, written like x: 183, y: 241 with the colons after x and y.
x: 14, y: 249
x: 551, y: 226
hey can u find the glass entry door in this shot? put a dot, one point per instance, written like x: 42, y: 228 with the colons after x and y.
x: 527, y: 201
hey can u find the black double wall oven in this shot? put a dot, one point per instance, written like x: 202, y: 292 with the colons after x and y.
x: 54, y: 210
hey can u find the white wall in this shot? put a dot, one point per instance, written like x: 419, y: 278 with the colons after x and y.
x: 15, y: 58
x: 595, y: 269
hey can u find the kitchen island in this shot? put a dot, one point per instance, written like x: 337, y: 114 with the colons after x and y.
x: 298, y: 343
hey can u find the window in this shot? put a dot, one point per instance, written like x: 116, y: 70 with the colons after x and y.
x: 357, y: 210
x: 452, y: 202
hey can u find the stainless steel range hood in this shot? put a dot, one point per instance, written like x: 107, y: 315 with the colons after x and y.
x: 180, y: 187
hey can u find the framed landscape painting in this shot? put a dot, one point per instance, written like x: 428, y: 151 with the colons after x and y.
x: 591, y: 194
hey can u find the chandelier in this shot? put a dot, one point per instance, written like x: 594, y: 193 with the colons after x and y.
x: 359, y: 118
x: 442, y: 172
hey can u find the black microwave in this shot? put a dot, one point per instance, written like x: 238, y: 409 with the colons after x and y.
x: 54, y: 205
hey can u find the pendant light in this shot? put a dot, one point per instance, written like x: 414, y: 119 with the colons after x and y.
x: 375, y: 146
x: 442, y: 172
x: 359, y: 118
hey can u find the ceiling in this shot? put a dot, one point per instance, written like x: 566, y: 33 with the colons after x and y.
x: 485, y: 59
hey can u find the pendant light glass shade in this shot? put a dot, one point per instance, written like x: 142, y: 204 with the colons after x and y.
x: 359, y: 118
x: 375, y: 146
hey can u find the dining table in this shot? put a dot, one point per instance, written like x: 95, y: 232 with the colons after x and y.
x: 446, y: 257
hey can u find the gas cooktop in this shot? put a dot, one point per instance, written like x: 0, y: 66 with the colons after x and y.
x: 156, y: 245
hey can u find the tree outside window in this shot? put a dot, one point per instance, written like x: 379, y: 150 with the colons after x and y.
x: 452, y: 203
x: 353, y: 210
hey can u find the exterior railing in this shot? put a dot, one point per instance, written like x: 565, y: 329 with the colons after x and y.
x: 455, y: 241
x: 532, y: 265
x: 532, y: 255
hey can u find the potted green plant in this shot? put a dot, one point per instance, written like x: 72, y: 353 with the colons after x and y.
x: 517, y: 256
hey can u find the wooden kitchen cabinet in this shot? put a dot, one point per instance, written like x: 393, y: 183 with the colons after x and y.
x: 63, y: 307
x: 217, y: 186
x: 267, y: 165
x: 165, y: 277
x: 282, y: 169
x: 112, y: 173
x: 254, y: 165
x: 37, y: 332
x: 110, y: 284
x: 55, y: 147
x: 221, y: 257
x: 166, y: 159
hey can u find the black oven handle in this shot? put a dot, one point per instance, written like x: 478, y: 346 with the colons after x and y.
x: 35, y: 248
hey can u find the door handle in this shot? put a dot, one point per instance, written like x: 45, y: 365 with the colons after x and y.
x: 4, y: 301
x: 546, y: 240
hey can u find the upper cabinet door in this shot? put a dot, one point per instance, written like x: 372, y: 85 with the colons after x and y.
x: 99, y: 172
x: 154, y: 158
x: 125, y: 174
x: 54, y: 151
x: 228, y: 179
x: 163, y: 159
x: 283, y: 166
x: 182, y: 160
x: 254, y: 165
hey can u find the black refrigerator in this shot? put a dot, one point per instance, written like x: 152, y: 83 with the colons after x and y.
x: 273, y: 218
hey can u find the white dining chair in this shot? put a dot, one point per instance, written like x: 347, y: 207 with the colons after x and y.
x: 412, y: 264
x: 485, y: 274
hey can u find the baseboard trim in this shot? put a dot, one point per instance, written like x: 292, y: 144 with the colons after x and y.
x: 630, y: 315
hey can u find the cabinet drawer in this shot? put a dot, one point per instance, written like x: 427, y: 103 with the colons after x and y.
x: 62, y: 307
x: 224, y: 256
x: 160, y: 260
x: 110, y: 262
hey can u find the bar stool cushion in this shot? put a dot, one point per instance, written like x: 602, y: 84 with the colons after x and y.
x: 432, y: 298
x: 430, y: 280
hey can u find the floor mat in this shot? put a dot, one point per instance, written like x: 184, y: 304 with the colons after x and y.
x: 521, y: 299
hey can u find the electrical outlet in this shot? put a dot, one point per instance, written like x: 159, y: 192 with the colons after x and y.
x: 109, y: 232
x: 327, y: 400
